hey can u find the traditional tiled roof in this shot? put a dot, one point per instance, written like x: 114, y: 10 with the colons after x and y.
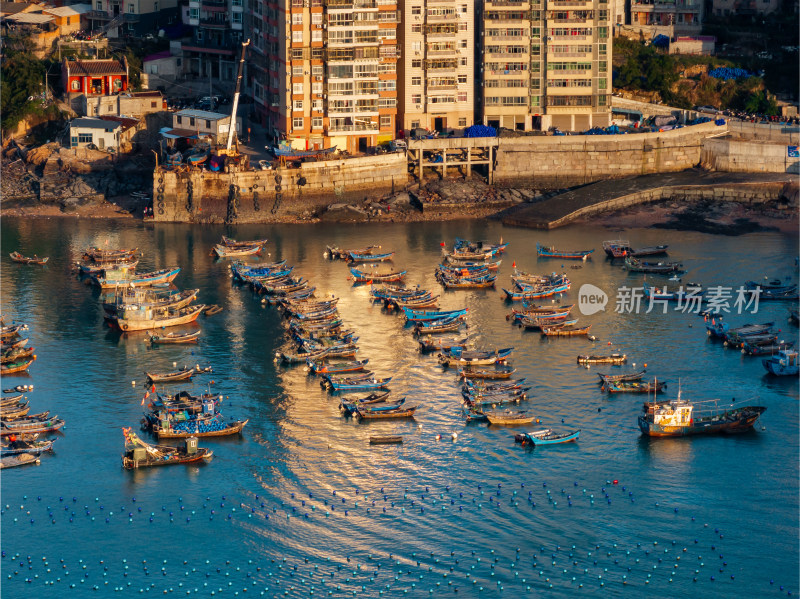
x: 95, y: 67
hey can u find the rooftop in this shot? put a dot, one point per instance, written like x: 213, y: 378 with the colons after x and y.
x: 89, y: 123
x: 125, y: 122
x: 30, y: 18
x: 12, y: 8
x: 157, y: 56
x: 95, y: 67
x: 203, y: 114
x: 68, y: 11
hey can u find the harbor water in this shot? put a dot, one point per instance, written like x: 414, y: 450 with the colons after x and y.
x: 302, y: 505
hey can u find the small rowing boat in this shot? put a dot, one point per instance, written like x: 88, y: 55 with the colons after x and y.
x: 607, y: 359
x: 19, y: 258
x: 174, y: 338
x: 546, y: 437
x: 551, y: 252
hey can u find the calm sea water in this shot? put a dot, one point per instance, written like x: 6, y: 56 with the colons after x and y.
x: 301, y: 504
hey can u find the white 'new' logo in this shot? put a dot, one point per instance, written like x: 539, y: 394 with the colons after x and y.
x: 591, y: 299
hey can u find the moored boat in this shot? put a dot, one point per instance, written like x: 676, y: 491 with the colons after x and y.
x: 223, y: 251
x: 679, y: 418
x: 784, y: 364
x: 112, y: 278
x: 19, y: 258
x: 570, y: 331
x: 551, y: 252
x: 510, y: 418
x: 607, y: 359
x: 174, y: 338
x: 139, y: 454
x: 634, y: 386
x: 140, y: 319
x: 19, y: 365
x: 546, y: 437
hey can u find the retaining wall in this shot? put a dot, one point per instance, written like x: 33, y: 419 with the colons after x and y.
x: 740, y: 156
x: 566, y: 161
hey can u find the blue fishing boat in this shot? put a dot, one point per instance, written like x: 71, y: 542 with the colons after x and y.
x: 428, y: 315
x: 348, y: 385
x: 534, y: 294
x: 123, y: 278
x: 361, y: 276
x: 546, y: 437
x: 551, y: 252
x: 784, y: 364
x: 368, y: 256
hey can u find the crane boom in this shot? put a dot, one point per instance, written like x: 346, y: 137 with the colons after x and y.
x: 232, y: 127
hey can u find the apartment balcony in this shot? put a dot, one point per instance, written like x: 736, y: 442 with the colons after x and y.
x: 516, y: 57
x: 351, y: 4
x: 562, y: 39
x: 506, y: 3
x: 443, y: 52
x: 215, y: 24
x: 354, y: 128
x: 434, y: 87
x: 554, y: 4
x: 489, y: 39
x: 446, y: 18
x: 556, y: 55
x: 213, y: 4
x: 441, y: 66
x: 579, y: 21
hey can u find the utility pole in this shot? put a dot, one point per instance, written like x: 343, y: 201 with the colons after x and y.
x: 210, y: 89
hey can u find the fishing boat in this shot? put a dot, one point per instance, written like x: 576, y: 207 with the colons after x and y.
x: 634, y: 265
x: 16, y: 354
x: 21, y: 446
x: 466, y: 244
x: 14, y: 411
x: 11, y: 343
x: 691, y: 293
x: 139, y: 454
x: 321, y: 367
x: 788, y: 294
x: 768, y: 349
x: 721, y: 330
x: 10, y: 332
x: 628, y: 376
x: 571, y: 331
x: 652, y: 250
x: 368, y: 414
x: 122, y: 278
x: 737, y: 340
x: 17, y: 366
x: 539, y: 311
x: 99, y: 255
x: 232, y: 243
x: 509, y: 418
x: 551, y: 322
x: 484, y: 282
x: 15, y: 461
x: 784, y: 364
x: 197, y: 155
x: 368, y: 256
x: 468, y: 255
x: 30, y: 425
x: 223, y: 251
x: 386, y: 440
x: 184, y: 374
x: 444, y: 325
x: 614, y: 248
x: 607, y: 359
x: 361, y: 276
x: 460, y: 357
x: 212, y: 426
x: 336, y: 253
x: 501, y: 372
x: 628, y: 386
x: 149, y: 298
x: 678, y: 418
x: 128, y: 264
x: 134, y: 318
x: 530, y: 294
x: 423, y: 301
x: 431, y: 344
x: 174, y: 338
x: 551, y: 252
x: 19, y: 258
x: 350, y: 408
x: 546, y: 437
x: 339, y: 385
x: 413, y: 315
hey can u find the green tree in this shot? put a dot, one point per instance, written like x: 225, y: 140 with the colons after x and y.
x: 22, y: 77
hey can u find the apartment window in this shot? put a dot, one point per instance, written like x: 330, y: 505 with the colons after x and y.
x: 464, y: 9
x: 316, y: 70
x: 601, y: 84
x: 297, y: 18
x: 297, y: 122
x: 386, y: 120
x: 602, y: 32
x: 462, y: 96
x: 416, y: 28
x: 416, y: 46
x: 316, y: 35
x: 414, y: 124
x: 416, y: 98
x: 297, y: 71
x: 463, y: 62
x: 237, y: 17
x: 463, y: 44
x: 191, y: 121
x: 601, y: 48
x: 316, y: 87
x: 416, y: 64
x: 297, y: 105
x: 297, y: 3
x: 387, y: 85
x: 297, y: 37
x: 416, y: 10
x: 316, y: 122
x: 297, y: 88
x: 416, y: 81
x: 178, y: 119
x: 462, y: 78
x: 387, y: 102
x: 316, y: 105
x: 99, y: 5
x: 602, y: 66
x: 131, y: 8
x: 84, y: 138
x: 462, y: 122
x: 387, y: 67
x: 316, y: 18
x: 194, y: 13
x: 297, y: 54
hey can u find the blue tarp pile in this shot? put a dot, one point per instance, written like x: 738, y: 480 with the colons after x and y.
x: 699, y: 120
x: 612, y: 130
x: 480, y: 131
x: 729, y: 73
x: 719, y: 122
x: 661, y: 41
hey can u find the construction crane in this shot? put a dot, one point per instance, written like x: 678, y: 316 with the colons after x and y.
x: 229, y: 155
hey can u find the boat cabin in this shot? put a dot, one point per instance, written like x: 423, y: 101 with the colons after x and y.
x: 672, y: 414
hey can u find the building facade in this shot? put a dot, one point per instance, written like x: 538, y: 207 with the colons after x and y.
x: 214, y: 48
x: 436, y: 76
x: 324, y: 74
x: 546, y: 63
x: 94, y: 77
x: 132, y: 17
x: 211, y: 126
x: 672, y: 18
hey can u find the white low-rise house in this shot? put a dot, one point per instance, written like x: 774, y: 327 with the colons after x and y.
x: 104, y: 133
x: 204, y: 124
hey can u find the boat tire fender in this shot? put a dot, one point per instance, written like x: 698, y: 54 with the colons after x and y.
x: 278, y: 179
x: 161, y: 211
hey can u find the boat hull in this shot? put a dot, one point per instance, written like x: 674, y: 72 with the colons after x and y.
x: 737, y: 421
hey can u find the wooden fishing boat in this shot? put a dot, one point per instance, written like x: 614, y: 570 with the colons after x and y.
x: 425, y: 301
x: 135, y: 319
x: 15, y: 412
x: 551, y: 322
x: 565, y: 331
x: 606, y: 359
x: 690, y: 294
x: 510, y: 418
x: 551, y: 252
x: 350, y: 408
x: 366, y: 414
x: 184, y: 374
x: 546, y: 437
x: 653, y: 250
x: 480, y: 386
x: 614, y: 248
x: 413, y: 315
x: 784, y: 364
x: 789, y: 294
x: 431, y: 344
x: 679, y: 418
x: 459, y: 357
x: 17, y: 366
x: 738, y: 341
x: 13, y: 343
x: 21, y: 447
x: 15, y: 354
x: 386, y: 440
x: 469, y: 256
x: 200, y: 427
x: 614, y: 378
x: 471, y: 264
x: 17, y: 257
x: 128, y: 264
x: 445, y: 325
x: 634, y: 265
x: 122, y: 278
x: 530, y: 294
x: 139, y: 454
x: 146, y: 297
x: 212, y: 310
x: 361, y: 276
x: 301, y: 357
x: 30, y: 425
x: 466, y: 244
x: 721, y: 329
x: 223, y: 251
x: 174, y: 338
x: 368, y: 256
x: 10, y: 332
x: 468, y: 283
x: 629, y: 386
x: 321, y: 367
x: 232, y: 243
x: 769, y: 349
x: 99, y: 255
x: 18, y: 460
x: 10, y: 401
x: 504, y: 372
x: 539, y: 310
x: 359, y: 385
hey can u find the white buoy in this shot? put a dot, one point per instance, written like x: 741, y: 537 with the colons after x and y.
x: 174, y: 364
x: 455, y: 436
x: 133, y: 383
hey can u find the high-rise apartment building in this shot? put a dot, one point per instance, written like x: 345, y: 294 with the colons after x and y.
x: 545, y: 63
x: 437, y: 71
x: 214, y: 48
x: 324, y: 74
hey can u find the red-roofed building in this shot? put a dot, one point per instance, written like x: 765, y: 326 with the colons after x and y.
x: 94, y: 77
